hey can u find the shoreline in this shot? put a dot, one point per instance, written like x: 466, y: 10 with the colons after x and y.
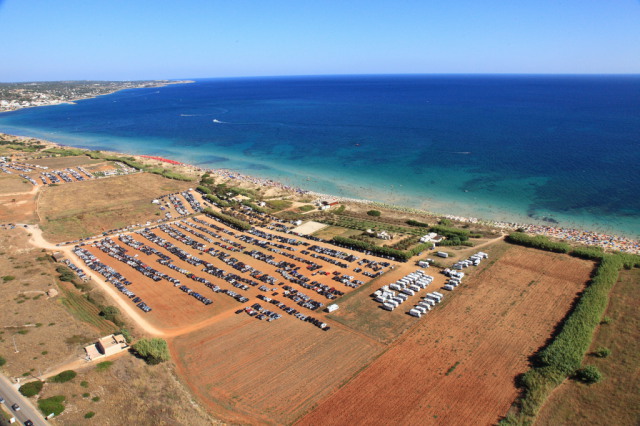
x: 146, y: 85
x: 571, y: 235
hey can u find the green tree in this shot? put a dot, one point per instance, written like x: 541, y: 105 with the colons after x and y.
x: 374, y: 213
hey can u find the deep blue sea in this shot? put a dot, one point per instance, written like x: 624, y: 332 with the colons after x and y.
x: 542, y: 149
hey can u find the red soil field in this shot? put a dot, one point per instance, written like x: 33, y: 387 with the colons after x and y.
x: 458, y: 365
x: 251, y: 371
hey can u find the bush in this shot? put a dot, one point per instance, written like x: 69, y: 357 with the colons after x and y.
x: 84, y: 384
x: 374, y: 213
x: 602, y: 352
x: 31, y: 388
x: 104, y: 365
x: 606, y: 320
x: 51, y: 405
x: 589, y: 374
x: 110, y: 313
x: 416, y: 223
x: 153, y: 351
x: 8, y: 278
x: 63, y: 377
x: 3, y: 361
x: 66, y: 274
x: 446, y: 222
x: 89, y: 415
x: 127, y: 336
x: 229, y: 220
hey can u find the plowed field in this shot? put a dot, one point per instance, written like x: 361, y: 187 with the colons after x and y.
x: 458, y: 365
x: 251, y: 371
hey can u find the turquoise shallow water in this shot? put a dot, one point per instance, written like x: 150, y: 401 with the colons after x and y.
x: 560, y: 150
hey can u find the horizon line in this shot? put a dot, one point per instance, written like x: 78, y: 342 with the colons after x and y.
x: 342, y: 75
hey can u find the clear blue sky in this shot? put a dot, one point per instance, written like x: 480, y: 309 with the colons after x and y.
x: 156, y: 39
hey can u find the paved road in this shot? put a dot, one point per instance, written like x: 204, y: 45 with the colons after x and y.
x: 27, y: 411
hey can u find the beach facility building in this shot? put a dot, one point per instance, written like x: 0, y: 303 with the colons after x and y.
x: 106, y: 346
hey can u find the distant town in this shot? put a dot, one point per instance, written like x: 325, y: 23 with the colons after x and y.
x: 14, y: 96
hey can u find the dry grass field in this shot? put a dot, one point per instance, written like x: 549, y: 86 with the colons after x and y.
x: 458, y: 365
x: 129, y: 392
x: 250, y: 371
x: 64, y: 162
x: 13, y: 183
x: 360, y: 312
x: 88, y: 208
x: 51, y: 332
x: 44, y: 332
x: 615, y: 400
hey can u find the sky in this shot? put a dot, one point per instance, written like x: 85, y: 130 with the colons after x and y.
x: 44, y: 40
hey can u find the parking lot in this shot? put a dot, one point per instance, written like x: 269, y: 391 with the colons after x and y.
x: 197, y: 267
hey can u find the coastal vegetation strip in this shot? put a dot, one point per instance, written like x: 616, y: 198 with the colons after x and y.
x: 563, y: 356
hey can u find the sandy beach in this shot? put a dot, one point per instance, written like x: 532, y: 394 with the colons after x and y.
x: 272, y: 187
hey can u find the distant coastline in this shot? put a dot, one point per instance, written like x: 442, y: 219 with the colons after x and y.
x: 44, y: 98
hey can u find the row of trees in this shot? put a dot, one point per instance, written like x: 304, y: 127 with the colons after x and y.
x: 229, y: 220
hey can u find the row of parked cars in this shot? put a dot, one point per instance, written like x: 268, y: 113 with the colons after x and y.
x: 294, y: 312
x: 111, y: 275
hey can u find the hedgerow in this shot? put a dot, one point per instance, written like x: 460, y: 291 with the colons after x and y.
x: 563, y: 356
x: 539, y: 241
x: 229, y: 220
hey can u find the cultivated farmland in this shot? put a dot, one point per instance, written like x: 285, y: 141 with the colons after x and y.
x: 459, y: 364
x: 248, y: 371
